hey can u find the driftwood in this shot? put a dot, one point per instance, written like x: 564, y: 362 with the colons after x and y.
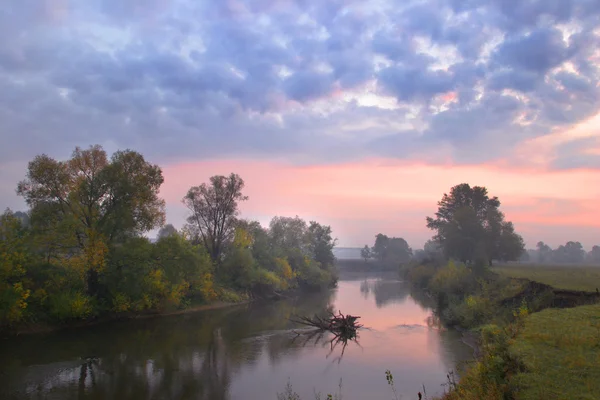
x: 343, y: 327
x: 340, y: 324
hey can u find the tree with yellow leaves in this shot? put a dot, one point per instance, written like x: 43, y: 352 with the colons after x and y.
x: 13, y: 258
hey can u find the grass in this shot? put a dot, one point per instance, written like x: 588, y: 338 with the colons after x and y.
x: 567, y: 277
x: 560, y: 350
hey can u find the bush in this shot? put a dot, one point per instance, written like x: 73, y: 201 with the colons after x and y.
x: 70, y: 305
x: 421, y: 275
x: 452, y: 280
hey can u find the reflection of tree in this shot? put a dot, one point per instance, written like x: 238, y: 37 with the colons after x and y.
x: 455, y: 354
x: 186, y: 356
x: 384, y: 291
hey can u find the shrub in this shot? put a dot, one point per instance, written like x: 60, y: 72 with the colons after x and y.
x: 421, y: 275
x: 70, y: 305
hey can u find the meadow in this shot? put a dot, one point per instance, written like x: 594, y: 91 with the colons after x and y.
x: 567, y: 277
x: 560, y: 350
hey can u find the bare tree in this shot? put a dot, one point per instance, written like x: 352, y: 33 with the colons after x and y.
x: 214, y: 211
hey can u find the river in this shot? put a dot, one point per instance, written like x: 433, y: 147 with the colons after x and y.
x: 242, y: 352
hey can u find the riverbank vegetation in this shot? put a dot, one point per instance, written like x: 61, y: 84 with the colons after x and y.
x: 526, y: 344
x: 80, y: 252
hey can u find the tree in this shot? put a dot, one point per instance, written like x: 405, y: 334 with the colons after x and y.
x: 166, y: 231
x: 320, y: 244
x: 87, y: 202
x: 594, y: 255
x: 366, y: 253
x: 379, y: 249
x: 470, y: 227
x: 511, y: 246
x: 398, y: 251
x: 214, y: 210
x: 544, y: 252
x: 391, y: 250
x: 573, y: 252
x: 433, y: 250
x: 288, y: 233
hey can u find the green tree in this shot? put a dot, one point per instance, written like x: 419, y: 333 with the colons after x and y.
x: 288, y: 233
x: 594, y: 255
x: 86, y: 203
x: 544, y: 252
x: 391, y: 250
x: 365, y: 253
x: 320, y: 244
x: 398, y: 251
x: 511, y: 246
x: 214, y: 209
x: 470, y: 227
x: 571, y: 252
x: 379, y: 249
x: 166, y: 231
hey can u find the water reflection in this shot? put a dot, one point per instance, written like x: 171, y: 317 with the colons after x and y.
x: 246, y: 352
x: 384, y: 291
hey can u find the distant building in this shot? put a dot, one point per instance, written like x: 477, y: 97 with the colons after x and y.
x: 347, y: 253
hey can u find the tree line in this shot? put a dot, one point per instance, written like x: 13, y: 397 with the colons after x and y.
x: 571, y: 252
x: 80, y: 250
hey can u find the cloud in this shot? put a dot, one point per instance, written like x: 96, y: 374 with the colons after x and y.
x: 537, y: 51
x: 309, y: 81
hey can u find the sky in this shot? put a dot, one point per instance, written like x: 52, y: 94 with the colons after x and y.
x: 357, y: 114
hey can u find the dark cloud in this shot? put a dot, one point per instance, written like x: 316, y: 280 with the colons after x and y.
x: 537, y: 51
x: 523, y: 81
x: 307, y: 85
x: 412, y: 84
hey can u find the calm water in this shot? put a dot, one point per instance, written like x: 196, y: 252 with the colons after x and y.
x: 245, y: 352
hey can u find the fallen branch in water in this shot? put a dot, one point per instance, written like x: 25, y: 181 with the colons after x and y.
x: 341, y: 325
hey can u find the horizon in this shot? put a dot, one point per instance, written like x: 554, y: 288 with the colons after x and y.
x: 356, y: 115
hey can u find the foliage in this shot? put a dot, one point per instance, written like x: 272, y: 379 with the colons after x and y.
x: 13, y: 260
x: 69, y: 305
x: 470, y: 227
x: 88, y: 202
x: 166, y: 231
x: 79, y: 251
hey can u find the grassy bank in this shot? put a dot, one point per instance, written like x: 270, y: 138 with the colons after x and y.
x: 567, y: 277
x: 526, y: 342
x: 560, y: 353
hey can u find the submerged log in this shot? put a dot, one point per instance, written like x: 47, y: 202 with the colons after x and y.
x: 344, y: 328
x: 341, y: 325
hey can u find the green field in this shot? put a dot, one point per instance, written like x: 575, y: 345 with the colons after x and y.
x: 560, y: 350
x: 568, y: 277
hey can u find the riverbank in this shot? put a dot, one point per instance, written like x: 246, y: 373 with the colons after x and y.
x: 510, y: 322
x: 47, y: 328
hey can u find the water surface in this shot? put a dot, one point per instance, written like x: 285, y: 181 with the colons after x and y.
x: 244, y: 352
